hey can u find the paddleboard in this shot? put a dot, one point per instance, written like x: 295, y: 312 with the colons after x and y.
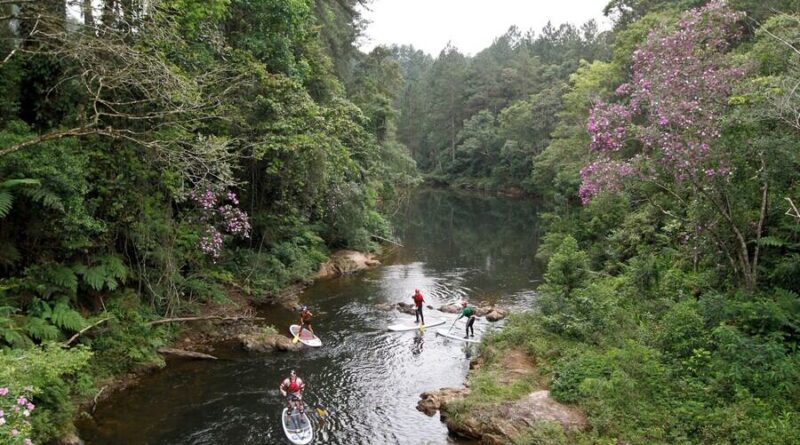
x: 306, y: 338
x: 297, y: 427
x: 413, y: 327
x: 444, y: 333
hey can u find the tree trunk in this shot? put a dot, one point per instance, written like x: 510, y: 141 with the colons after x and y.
x: 88, y: 13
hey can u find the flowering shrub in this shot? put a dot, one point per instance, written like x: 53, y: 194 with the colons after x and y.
x: 15, y: 410
x: 675, y: 101
x: 219, y: 212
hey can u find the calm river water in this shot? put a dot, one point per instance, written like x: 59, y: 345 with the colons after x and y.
x: 456, y: 246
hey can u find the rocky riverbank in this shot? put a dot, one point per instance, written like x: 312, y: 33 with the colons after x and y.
x: 234, y: 321
x: 496, y: 422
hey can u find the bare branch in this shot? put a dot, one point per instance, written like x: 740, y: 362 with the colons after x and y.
x: 79, y: 333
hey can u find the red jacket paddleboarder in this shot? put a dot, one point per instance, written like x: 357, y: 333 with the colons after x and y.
x: 418, y: 300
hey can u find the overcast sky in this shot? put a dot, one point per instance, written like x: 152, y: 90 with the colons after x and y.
x: 471, y: 25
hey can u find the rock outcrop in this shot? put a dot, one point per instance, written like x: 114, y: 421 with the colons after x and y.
x: 345, y: 262
x: 433, y: 401
x: 501, y: 424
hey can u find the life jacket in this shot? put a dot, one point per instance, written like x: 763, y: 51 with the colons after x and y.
x: 293, y: 385
x: 418, y: 299
x: 306, y: 315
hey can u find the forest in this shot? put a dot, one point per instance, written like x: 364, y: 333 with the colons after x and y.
x: 157, y: 156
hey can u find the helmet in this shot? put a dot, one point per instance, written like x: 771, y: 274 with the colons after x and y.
x: 464, y: 303
x: 304, y: 308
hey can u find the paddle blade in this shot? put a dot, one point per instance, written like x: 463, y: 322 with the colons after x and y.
x: 322, y: 412
x: 296, y: 339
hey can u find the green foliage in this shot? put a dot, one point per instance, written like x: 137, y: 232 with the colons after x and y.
x: 53, y: 374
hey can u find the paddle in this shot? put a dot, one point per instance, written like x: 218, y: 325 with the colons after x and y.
x: 452, y: 325
x: 322, y: 412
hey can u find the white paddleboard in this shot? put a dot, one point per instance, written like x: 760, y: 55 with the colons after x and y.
x: 446, y: 334
x: 297, y: 427
x: 306, y: 338
x: 413, y: 327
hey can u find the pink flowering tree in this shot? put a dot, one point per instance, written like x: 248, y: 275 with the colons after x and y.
x: 219, y: 214
x: 667, y: 128
x: 15, y: 411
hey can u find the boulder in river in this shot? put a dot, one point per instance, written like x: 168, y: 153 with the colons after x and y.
x: 433, y: 401
x: 491, y: 313
x: 261, y: 342
x: 406, y: 308
x: 450, y: 308
x: 384, y: 306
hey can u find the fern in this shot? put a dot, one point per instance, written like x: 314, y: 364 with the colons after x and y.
x: 772, y: 241
x: 44, y: 197
x: 6, y: 200
x: 41, y: 329
x: 65, y: 317
x: 95, y: 277
x: 60, y: 276
x: 108, y: 274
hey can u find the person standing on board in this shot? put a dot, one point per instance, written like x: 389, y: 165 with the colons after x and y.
x: 292, y: 388
x: 418, y: 300
x: 305, y: 321
x: 469, y: 312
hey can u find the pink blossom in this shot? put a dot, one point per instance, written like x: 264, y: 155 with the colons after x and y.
x: 30, y: 406
x: 681, y: 81
x: 3, y: 391
x: 21, y: 400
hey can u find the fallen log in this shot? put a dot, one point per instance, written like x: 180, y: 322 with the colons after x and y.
x: 185, y: 354
x: 210, y: 317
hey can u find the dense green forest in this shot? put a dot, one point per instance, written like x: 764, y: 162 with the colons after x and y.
x: 670, y: 308
x: 157, y: 156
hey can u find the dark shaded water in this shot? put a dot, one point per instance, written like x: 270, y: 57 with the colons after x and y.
x: 456, y: 246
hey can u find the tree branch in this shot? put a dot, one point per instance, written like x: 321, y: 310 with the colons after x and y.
x: 78, y: 334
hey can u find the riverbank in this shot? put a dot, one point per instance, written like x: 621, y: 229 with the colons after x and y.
x: 235, y: 322
x: 506, y: 397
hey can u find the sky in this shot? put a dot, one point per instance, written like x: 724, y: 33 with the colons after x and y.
x: 471, y: 25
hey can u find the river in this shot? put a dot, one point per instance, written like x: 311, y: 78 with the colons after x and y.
x: 456, y: 246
